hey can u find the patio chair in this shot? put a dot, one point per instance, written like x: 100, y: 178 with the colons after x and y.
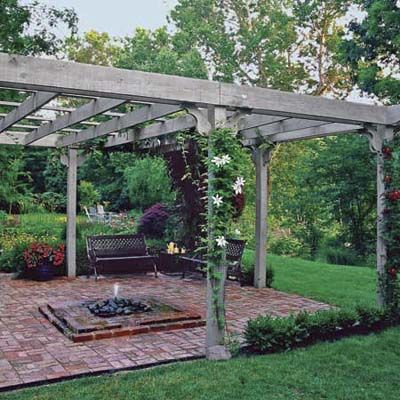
x: 234, y: 253
x: 91, y: 213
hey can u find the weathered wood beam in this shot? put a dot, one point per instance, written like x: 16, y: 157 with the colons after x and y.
x: 87, y: 111
x: 309, y: 133
x: 139, y: 116
x: 287, y: 125
x: 31, y: 73
x: 47, y: 119
x: 393, y: 115
x: 30, y: 105
x: 16, y: 138
x: 181, y: 123
x: 257, y: 120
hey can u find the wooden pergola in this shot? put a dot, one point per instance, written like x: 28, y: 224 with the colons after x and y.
x: 256, y: 114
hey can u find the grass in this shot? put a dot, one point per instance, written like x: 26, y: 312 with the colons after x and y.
x: 362, y: 367
x: 358, y: 368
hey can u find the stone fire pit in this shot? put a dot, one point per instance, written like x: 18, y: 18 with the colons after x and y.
x: 118, y: 306
x: 100, y: 319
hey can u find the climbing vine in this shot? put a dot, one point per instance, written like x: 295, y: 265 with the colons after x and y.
x: 224, y: 185
x: 391, y: 222
x: 221, y: 188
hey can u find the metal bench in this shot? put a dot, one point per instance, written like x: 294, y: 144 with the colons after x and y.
x: 234, y: 252
x: 128, y: 251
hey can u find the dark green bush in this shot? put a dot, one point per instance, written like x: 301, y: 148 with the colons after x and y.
x: 266, y: 334
x: 341, y: 256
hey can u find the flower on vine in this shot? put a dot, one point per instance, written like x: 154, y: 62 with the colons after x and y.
x: 221, y: 161
x: 221, y: 241
x: 238, y: 185
x: 217, y: 200
x: 237, y: 232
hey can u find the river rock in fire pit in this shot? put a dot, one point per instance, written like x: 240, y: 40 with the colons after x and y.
x: 118, y: 306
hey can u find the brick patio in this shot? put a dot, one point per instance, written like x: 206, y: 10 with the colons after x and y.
x: 32, y: 350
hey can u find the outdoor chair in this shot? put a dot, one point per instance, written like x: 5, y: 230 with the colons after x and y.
x: 234, y: 253
x: 119, y: 253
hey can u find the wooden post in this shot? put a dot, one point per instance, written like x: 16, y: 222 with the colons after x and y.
x: 376, y: 140
x: 215, y: 334
x: 71, y: 211
x: 261, y: 158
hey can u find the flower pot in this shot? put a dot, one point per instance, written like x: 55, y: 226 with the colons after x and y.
x: 44, y: 271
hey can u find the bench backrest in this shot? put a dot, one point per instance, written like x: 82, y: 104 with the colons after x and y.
x: 234, y: 249
x: 117, y: 245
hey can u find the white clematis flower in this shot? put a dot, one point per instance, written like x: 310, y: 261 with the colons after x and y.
x: 238, y: 185
x: 221, y: 161
x: 217, y: 200
x: 221, y: 241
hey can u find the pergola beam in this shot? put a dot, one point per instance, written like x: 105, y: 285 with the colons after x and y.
x: 143, y: 114
x: 394, y: 115
x: 181, y: 123
x: 30, y: 105
x: 30, y: 73
x: 287, y: 125
x: 17, y: 138
x: 87, y: 111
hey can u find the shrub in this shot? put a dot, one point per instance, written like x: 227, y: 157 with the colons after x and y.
x: 266, y: 334
x: 248, y: 265
x: 149, y: 183
x: 153, y: 221
x: 287, y: 246
x: 53, y: 202
x: 341, y: 256
x: 88, y: 195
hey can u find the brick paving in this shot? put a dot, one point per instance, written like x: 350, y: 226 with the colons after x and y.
x: 33, y: 350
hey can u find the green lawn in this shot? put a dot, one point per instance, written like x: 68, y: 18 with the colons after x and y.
x: 355, y: 368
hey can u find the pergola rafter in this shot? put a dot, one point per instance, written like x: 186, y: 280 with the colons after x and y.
x: 257, y: 115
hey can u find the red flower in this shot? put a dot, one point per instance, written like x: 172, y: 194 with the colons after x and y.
x: 36, y: 253
x: 392, y: 272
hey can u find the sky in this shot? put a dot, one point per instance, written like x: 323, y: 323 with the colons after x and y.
x: 117, y: 17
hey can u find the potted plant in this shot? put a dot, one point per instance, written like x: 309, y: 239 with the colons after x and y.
x: 41, y: 260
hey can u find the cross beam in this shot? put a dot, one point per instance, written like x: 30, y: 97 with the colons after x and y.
x: 30, y: 105
x: 87, y: 111
x: 143, y: 114
x: 30, y: 73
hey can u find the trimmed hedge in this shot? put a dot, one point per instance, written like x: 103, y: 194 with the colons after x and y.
x: 267, y: 334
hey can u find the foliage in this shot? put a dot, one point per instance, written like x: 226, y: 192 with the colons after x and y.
x: 373, y: 49
x: 340, y: 256
x: 153, y: 221
x: 158, y: 52
x: 32, y: 28
x: 53, y: 201
x: 14, y: 191
x: 87, y: 194
x: 388, y: 279
x: 148, y: 182
x: 286, y: 245
x: 267, y: 334
x: 93, y: 48
x: 251, y: 42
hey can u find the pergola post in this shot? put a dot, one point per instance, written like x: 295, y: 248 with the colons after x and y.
x: 206, y: 122
x: 71, y: 211
x: 376, y: 140
x: 261, y: 159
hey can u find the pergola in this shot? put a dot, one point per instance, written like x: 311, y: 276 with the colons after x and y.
x: 256, y: 114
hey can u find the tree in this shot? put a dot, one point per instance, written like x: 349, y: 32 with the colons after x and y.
x: 158, y: 51
x: 149, y: 183
x: 93, y: 48
x: 319, y: 45
x: 31, y: 29
x: 373, y: 50
x: 250, y: 41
